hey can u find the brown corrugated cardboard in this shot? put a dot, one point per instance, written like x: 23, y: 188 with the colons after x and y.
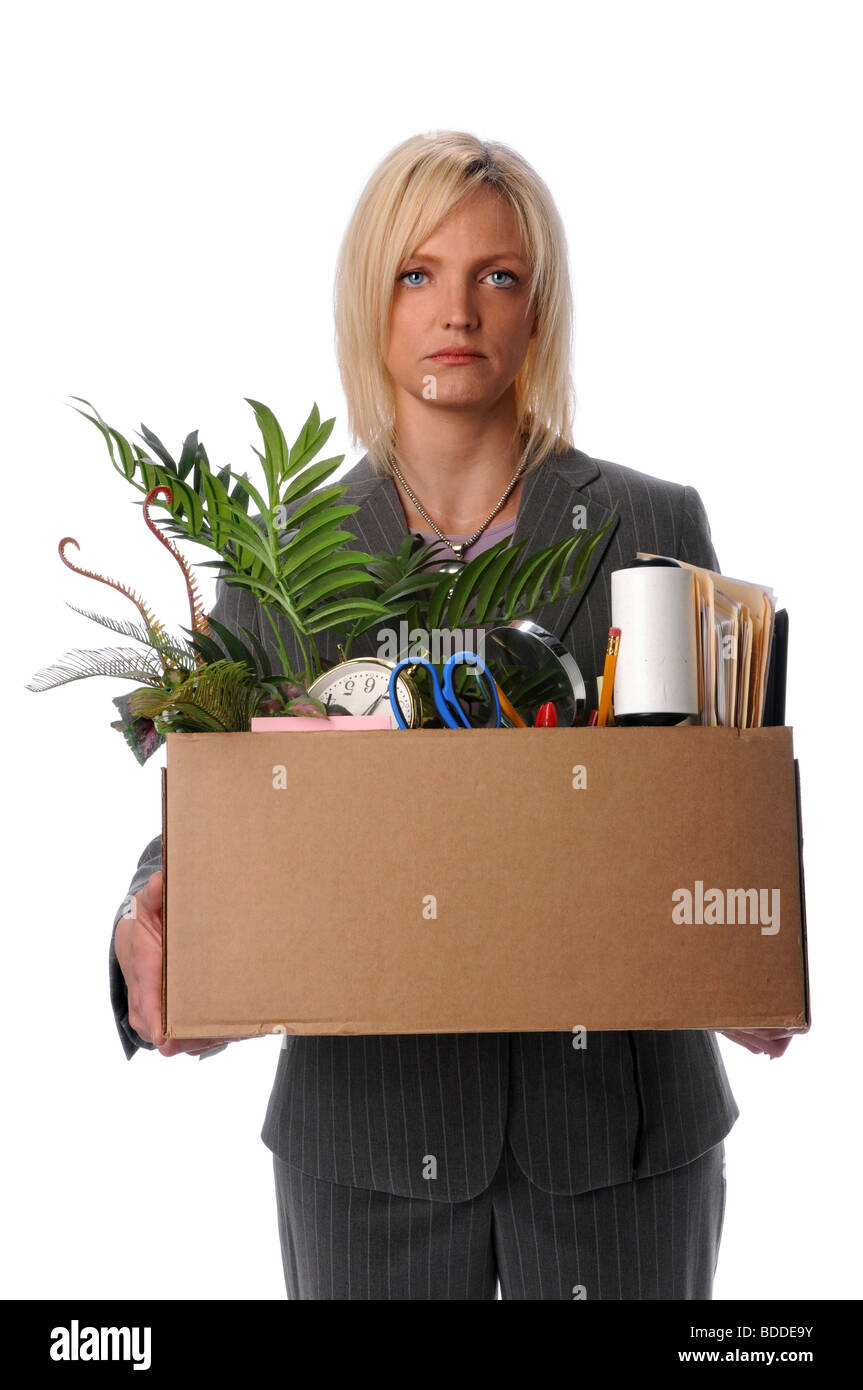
x: 436, y: 881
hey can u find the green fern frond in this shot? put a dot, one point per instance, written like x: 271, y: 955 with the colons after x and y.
x: 297, y: 559
x: 179, y: 654
x: 222, y: 696
x: 122, y: 626
x: 123, y: 663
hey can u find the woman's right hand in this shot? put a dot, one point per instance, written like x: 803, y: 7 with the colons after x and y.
x: 138, y: 947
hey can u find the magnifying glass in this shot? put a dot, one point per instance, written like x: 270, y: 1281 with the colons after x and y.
x: 532, y: 667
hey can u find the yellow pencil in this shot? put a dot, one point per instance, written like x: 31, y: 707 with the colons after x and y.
x: 608, y: 675
x: 509, y: 710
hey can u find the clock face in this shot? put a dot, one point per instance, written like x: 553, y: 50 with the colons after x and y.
x: 361, y: 687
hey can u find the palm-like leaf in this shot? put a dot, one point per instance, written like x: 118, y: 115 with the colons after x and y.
x: 254, y: 657
x: 221, y: 697
x: 499, y: 585
x: 123, y: 663
x: 180, y: 653
x: 502, y: 585
x: 296, y: 577
x: 123, y: 626
x: 296, y: 558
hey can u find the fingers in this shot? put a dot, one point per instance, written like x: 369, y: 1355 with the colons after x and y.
x: 737, y: 1037
x: 142, y: 969
x: 150, y: 896
x: 174, y: 1047
x: 145, y: 1016
x: 171, y: 1047
x: 148, y: 906
x: 138, y: 945
x: 772, y: 1041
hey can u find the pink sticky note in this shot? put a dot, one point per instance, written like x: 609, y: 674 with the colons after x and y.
x: 279, y: 724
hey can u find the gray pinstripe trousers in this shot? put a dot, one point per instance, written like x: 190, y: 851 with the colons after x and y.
x: 654, y: 1238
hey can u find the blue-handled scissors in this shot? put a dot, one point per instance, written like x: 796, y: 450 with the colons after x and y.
x: 446, y: 701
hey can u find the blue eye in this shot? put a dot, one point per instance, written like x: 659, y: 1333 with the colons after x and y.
x: 406, y: 279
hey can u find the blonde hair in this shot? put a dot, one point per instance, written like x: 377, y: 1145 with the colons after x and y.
x: 408, y: 195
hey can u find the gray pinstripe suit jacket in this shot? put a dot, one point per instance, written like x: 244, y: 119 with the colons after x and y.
x: 366, y: 1110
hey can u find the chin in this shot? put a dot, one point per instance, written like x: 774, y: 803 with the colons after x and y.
x: 454, y: 393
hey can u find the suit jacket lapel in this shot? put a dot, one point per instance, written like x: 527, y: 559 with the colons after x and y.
x: 547, y: 515
x: 379, y: 524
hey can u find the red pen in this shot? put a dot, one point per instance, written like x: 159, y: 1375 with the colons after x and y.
x: 547, y: 716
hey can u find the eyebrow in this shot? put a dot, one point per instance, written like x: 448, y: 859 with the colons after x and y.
x: 481, y: 260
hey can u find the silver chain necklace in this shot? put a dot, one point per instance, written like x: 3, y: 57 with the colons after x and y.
x: 457, y: 547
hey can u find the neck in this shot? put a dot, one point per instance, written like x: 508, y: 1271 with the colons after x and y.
x: 458, y: 465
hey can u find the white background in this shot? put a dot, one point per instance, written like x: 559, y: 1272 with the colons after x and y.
x: 177, y: 179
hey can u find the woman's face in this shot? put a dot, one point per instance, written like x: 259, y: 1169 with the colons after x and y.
x: 465, y: 287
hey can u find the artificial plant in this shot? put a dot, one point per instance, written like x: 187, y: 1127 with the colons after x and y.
x: 307, y: 575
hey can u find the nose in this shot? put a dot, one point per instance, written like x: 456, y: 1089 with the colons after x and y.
x: 458, y: 308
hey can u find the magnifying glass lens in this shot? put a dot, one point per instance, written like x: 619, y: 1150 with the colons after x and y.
x: 530, y: 673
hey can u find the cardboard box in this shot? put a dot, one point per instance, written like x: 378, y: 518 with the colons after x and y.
x: 438, y: 881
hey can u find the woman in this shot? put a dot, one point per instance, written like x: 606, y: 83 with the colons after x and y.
x: 432, y: 1167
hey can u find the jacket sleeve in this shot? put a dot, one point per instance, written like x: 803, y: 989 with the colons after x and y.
x: 696, y: 546
x: 234, y: 607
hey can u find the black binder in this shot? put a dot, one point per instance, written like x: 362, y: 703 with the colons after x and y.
x: 777, y: 668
